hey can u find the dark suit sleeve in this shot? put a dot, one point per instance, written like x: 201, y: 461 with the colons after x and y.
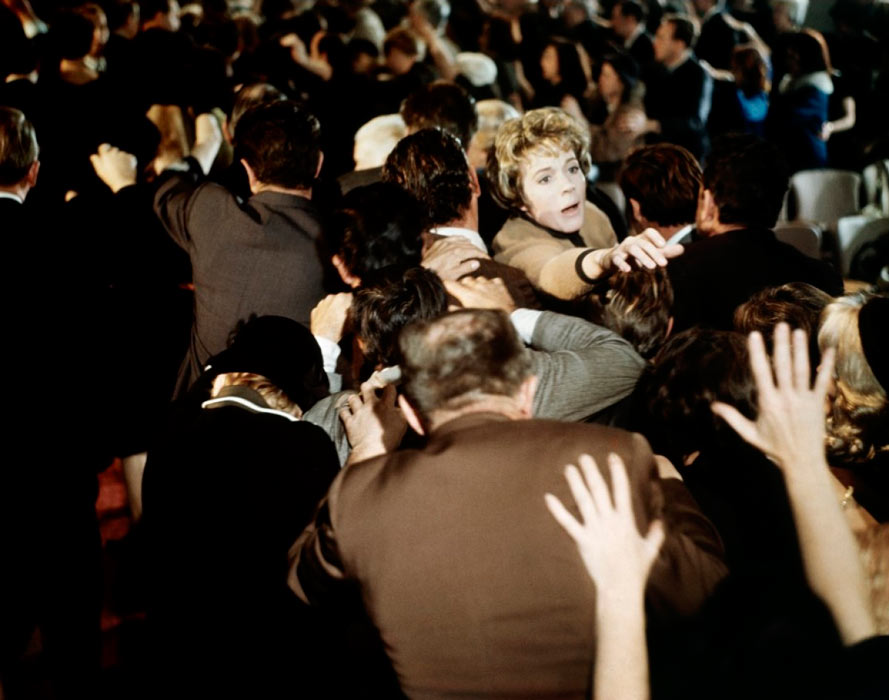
x: 691, y: 562
x: 691, y: 103
x: 316, y: 570
x: 174, y: 199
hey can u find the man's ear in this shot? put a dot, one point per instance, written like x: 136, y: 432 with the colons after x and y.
x: 344, y: 272
x: 525, y: 396
x: 31, y: 177
x: 474, y: 186
x: 320, y: 163
x: 410, y: 415
x: 636, y: 208
x: 251, y: 177
x: 707, y: 218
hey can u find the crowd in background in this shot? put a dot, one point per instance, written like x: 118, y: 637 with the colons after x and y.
x: 346, y: 289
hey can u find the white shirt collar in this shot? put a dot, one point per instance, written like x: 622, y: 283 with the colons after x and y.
x: 468, y: 234
x: 11, y: 195
x: 639, y: 30
x: 676, y: 237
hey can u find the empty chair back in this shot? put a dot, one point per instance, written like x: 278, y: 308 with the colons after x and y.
x: 824, y: 196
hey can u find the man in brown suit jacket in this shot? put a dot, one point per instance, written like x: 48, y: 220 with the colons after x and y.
x: 469, y: 580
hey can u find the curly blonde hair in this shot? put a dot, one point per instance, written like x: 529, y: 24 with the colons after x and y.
x: 548, y: 130
x: 857, y: 424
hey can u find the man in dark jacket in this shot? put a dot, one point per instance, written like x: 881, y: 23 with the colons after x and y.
x: 741, y: 195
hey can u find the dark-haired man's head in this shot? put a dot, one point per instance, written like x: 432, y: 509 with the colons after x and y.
x: 661, y: 184
x: 389, y: 300
x: 639, y: 308
x: 279, y: 144
x: 160, y: 14
x: 375, y: 227
x: 250, y: 96
x: 692, y: 370
x: 123, y: 17
x: 743, y: 185
x: 626, y: 16
x: 444, y: 105
x: 432, y: 167
x: 674, y: 37
x: 465, y: 361
x: 18, y: 153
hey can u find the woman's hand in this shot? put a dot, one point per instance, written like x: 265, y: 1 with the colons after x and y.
x: 647, y: 249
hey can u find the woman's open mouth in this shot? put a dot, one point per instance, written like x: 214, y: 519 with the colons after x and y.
x: 573, y: 209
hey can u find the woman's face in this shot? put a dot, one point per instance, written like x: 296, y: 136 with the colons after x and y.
x: 549, y: 64
x: 554, y: 190
x: 610, y: 85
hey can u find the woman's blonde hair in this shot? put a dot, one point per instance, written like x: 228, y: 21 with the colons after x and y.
x: 548, y: 130
x: 270, y: 393
x: 857, y: 424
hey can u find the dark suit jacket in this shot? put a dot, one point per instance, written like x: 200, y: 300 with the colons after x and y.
x: 255, y: 257
x: 680, y: 100
x: 714, y: 275
x: 717, y: 41
x: 472, y: 584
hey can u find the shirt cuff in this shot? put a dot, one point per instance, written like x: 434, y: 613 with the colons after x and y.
x: 524, y: 321
x: 330, y: 353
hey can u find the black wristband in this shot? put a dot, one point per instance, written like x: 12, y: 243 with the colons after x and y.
x: 578, y: 266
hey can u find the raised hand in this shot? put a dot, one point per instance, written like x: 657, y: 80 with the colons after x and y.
x: 116, y: 168
x: 617, y: 557
x: 790, y: 424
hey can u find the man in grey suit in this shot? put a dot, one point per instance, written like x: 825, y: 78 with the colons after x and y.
x: 473, y: 587
x: 255, y: 257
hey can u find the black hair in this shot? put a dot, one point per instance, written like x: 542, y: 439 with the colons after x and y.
x: 431, y: 166
x: 389, y: 300
x: 441, y: 104
x: 281, y: 142
x: 375, y: 227
x: 748, y: 178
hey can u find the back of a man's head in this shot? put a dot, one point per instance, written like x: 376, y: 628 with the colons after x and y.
x: 375, y: 227
x: 281, y: 143
x: 431, y: 166
x: 639, y: 308
x: 748, y: 178
x: 664, y: 179
x: 389, y: 300
x: 461, y: 358
x: 18, y: 146
x: 248, y: 97
x: 444, y: 105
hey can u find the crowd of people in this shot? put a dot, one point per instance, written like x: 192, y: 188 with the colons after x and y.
x: 447, y: 349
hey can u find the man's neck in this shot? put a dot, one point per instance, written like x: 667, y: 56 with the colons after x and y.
x: 16, y: 192
x: 503, y: 405
x: 719, y: 229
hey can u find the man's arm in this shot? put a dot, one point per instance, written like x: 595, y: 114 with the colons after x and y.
x: 315, y: 570
x: 582, y: 368
x: 180, y: 183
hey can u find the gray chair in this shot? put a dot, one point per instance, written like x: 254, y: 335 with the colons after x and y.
x: 854, y: 232
x: 825, y: 196
x: 802, y: 235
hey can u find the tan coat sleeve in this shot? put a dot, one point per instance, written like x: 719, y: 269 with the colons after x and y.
x: 549, y: 262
